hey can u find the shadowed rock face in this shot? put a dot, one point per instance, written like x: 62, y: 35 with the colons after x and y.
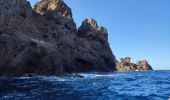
x: 15, y: 15
x: 126, y: 65
x: 45, y: 41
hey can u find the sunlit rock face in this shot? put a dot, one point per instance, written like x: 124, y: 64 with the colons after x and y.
x: 125, y: 65
x: 56, y: 9
x: 90, y: 25
x: 53, y: 5
x: 143, y: 65
x: 45, y: 41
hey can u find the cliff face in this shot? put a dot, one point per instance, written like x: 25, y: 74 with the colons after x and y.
x: 45, y: 41
x: 126, y: 65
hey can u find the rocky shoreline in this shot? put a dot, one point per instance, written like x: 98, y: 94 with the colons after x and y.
x: 46, y: 41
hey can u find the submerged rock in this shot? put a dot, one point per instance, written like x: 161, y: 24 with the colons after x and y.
x: 126, y: 65
x: 45, y: 41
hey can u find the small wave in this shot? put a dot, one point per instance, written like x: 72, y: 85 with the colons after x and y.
x: 23, y: 78
x: 99, y: 75
x: 52, y: 78
x: 71, y: 77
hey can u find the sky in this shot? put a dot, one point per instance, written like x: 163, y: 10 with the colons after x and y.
x: 139, y: 29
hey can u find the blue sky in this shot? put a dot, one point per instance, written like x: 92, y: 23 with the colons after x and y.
x: 137, y: 28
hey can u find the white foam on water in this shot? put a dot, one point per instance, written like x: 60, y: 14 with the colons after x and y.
x: 52, y: 78
x: 25, y: 78
x: 99, y: 75
x: 73, y: 77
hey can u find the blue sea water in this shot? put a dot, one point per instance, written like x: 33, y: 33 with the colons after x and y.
x: 145, y: 85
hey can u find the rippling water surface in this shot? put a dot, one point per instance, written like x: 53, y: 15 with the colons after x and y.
x: 146, y: 85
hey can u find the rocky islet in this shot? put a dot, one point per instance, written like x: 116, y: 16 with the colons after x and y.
x: 125, y: 65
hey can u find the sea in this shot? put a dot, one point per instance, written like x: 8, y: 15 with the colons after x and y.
x: 133, y: 85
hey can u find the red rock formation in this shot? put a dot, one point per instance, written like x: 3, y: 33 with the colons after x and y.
x: 59, y: 6
x: 143, y: 65
x: 126, y: 65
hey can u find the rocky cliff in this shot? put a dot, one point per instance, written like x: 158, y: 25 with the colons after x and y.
x: 45, y: 40
x: 125, y: 65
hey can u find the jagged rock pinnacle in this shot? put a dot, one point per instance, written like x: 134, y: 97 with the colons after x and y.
x: 91, y: 25
x: 143, y: 64
x: 53, y: 5
x: 91, y: 29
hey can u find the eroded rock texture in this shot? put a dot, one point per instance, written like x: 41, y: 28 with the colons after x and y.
x: 125, y: 65
x: 45, y: 41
